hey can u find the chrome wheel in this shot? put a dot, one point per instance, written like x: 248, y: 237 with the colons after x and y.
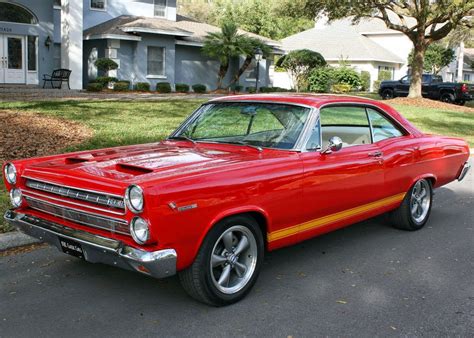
x: 420, y: 201
x: 233, y: 259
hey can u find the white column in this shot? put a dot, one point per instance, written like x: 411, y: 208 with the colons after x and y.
x: 460, y: 62
x: 71, y: 40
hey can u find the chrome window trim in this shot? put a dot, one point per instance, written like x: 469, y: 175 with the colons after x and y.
x: 70, y: 187
x: 298, y: 147
x: 114, y: 230
x: 73, y: 203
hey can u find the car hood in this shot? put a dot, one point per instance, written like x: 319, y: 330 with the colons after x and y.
x: 144, y: 162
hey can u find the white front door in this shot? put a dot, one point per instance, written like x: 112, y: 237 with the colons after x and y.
x: 12, y: 55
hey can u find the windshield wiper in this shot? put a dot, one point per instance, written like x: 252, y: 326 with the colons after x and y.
x: 260, y: 149
x: 182, y: 137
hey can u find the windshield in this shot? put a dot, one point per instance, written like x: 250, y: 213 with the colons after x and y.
x: 266, y: 125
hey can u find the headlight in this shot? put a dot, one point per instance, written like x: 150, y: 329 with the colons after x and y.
x: 134, y: 198
x: 139, y: 230
x: 16, y: 197
x: 10, y: 173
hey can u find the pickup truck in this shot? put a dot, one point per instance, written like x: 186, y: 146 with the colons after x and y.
x: 433, y: 88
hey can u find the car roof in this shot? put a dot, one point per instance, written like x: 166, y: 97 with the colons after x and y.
x: 312, y: 100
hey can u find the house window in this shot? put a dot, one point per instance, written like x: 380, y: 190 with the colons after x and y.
x: 57, y: 3
x: 32, y: 53
x: 467, y: 77
x: 13, y: 13
x: 98, y: 4
x: 57, y: 55
x: 156, y: 61
x: 160, y: 8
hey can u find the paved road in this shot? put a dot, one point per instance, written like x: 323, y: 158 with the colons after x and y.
x: 365, y: 280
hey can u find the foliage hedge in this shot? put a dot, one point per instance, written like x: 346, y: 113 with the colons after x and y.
x: 238, y: 88
x: 251, y: 90
x: 94, y: 87
x: 121, y: 86
x: 105, y: 64
x: 182, y: 88
x: 341, y: 88
x: 104, y: 80
x: 365, y: 80
x: 142, y: 86
x: 325, y: 79
x: 199, y: 88
x: 384, y: 75
x: 320, y: 80
x: 163, y: 87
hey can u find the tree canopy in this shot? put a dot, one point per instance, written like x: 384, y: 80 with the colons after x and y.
x: 436, y: 57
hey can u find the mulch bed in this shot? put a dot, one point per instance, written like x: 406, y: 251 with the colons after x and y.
x: 426, y: 103
x: 27, y: 135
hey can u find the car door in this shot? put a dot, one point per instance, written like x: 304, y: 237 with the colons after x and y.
x: 340, y: 186
x: 398, y: 149
x: 403, y: 86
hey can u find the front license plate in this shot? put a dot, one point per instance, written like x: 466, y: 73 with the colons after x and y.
x: 71, y: 247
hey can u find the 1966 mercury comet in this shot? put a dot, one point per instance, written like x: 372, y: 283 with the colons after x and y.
x: 241, y: 176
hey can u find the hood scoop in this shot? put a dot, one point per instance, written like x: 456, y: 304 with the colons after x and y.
x: 76, y: 160
x: 132, y: 169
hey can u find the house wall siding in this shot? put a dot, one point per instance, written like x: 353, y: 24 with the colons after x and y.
x: 116, y: 8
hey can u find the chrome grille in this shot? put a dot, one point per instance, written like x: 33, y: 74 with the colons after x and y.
x: 79, y: 216
x: 78, y: 194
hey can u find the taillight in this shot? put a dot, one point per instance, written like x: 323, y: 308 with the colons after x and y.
x: 464, y: 88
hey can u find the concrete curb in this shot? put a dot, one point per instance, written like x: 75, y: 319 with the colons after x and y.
x: 15, y: 239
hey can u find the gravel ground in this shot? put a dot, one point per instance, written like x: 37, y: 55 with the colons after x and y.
x: 28, y: 135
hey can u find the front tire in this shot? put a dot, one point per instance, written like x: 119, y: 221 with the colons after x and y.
x: 388, y: 94
x: 447, y: 98
x: 227, y: 264
x: 415, y: 209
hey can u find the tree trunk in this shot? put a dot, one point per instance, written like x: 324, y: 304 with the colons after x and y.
x: 242, y: 69
x: 417, y: 67
x: 222, y: 72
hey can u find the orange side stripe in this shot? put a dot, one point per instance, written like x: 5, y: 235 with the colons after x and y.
x: 333, y: 218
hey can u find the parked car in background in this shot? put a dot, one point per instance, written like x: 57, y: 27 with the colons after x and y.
x: 432, y: 87
x: 241, y: 176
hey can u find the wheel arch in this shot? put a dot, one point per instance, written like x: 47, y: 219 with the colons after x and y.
x: 430, y: 177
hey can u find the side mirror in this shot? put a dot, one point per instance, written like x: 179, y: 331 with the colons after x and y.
x: 335, y: 144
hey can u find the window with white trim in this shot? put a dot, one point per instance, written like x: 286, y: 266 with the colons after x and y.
x: 98, y: 4
x: 160, y: 8
x: 156, y: 61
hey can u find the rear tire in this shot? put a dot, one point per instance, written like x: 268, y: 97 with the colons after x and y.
x: 447, y: 98
x: 388, y: 94
x: 460, y: 103
x: 228, y: 262
x: 415, y: 209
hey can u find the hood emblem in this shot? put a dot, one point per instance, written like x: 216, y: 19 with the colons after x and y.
x: 173, y: 206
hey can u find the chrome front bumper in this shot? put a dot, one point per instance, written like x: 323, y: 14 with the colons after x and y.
x: 98, y: 249
x: 464, y: 170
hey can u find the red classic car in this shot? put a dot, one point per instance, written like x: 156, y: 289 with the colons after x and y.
x: 241, y: 176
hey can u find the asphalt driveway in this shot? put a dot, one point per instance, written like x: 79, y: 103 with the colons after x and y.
x: 364, y: 280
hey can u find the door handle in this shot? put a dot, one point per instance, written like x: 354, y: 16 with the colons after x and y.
x: 376, y: 154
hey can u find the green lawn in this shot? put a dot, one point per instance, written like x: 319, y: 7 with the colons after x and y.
x: 124, y: 122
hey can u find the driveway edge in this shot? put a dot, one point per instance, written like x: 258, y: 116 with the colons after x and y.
x: 15, y: 239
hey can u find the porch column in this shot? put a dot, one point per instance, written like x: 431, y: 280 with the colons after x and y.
x: 71, y: 40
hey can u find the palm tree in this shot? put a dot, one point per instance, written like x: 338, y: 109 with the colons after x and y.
x: 224, y: 45
x: 250, y: 45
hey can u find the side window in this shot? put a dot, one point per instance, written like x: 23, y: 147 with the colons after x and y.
x: 348, y: 123
x: 406, y: 79
x: 381, y: 127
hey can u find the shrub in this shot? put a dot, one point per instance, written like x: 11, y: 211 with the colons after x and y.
x: 251, y: 90
x: 347, y: 75
x: 341, y: 88
x: 163, y: 87
x: 94, y: 87
x: 105, y: 64
x: 384, y: 75
x: 122, y: 86
x: 321, y: 79
x: 365, y: 80
x: 104, y: 80
x: 199, y: 88
x: 182, y: 88
x: 142, y: 86
x: 238, y: 88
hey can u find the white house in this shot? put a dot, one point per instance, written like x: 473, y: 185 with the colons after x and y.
x: 366, y: 46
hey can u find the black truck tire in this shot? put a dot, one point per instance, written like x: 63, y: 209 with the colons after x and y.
x: 447, y: 97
